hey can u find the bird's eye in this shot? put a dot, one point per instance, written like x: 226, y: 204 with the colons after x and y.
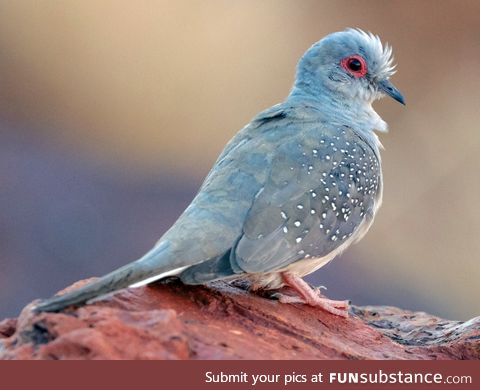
x: 355, y: 65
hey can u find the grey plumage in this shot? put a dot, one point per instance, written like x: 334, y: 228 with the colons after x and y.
x: 291, y: 190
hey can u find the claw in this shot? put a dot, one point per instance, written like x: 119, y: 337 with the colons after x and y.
x: 312, y: 297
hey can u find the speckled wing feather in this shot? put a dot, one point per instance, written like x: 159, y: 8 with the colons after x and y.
x: 323, y: 184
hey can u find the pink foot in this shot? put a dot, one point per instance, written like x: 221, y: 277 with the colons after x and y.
x: 311, y: 297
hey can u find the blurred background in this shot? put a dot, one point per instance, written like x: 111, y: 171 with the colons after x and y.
x: 112, y: 112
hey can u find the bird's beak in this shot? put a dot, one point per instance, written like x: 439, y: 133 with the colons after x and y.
x: 387, y: 87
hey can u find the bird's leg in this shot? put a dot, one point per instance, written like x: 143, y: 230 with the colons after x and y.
x: 311, y: 297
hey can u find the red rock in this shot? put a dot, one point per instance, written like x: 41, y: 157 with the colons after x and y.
x: 173, y: 321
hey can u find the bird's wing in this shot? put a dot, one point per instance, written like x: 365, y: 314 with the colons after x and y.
x: 320, y: 189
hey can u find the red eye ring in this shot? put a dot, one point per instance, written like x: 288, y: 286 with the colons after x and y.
x: 355, y: 65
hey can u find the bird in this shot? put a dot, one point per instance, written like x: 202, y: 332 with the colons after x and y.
x: 293, y: 189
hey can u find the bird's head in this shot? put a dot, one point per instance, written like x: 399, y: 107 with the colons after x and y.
x: 348, y: 65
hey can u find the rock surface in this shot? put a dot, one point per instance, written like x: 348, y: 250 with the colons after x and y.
x: 168, y: 320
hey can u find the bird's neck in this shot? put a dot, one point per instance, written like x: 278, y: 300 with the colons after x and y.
x: 341, y: 111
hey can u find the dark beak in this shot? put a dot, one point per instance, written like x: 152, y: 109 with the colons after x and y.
x: 388, y: 88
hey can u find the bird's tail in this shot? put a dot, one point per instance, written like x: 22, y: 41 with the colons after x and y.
x: 154, y: 263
